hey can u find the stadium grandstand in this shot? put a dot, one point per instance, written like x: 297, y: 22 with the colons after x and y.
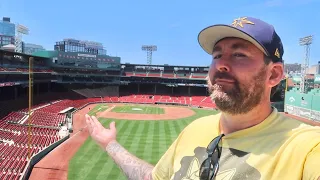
x: 63, y: 82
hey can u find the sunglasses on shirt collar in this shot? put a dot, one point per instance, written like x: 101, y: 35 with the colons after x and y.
x: 210, y: 166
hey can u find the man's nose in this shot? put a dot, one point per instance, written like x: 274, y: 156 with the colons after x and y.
x: 222, y: 65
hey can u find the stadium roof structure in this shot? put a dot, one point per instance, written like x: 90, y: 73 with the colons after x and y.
x: 10, y: 53
x: 8, y: 47
x: 164, y: 65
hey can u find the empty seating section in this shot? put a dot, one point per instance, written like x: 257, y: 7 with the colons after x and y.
x: 18, y: 141
x: 25, y: 70
x: 45, y: 119
x: 98, y: 91
x: 111, y: 99
x: 137, y: 99
x: 128, y: 71
x: 154, y: 73
x: 141, y: 72
x: 53, y: 108
x: 14, y: 117
x: 199, y: 101
x: 181, y: 100
x: 64, y: 104
x: 207, y: 102
x: 182, y: 74
x: 128, y: 74
x: 13, y: 161
x: 25, y: 110
x: 202, y: 101
x: 196, y: 100
x: 174, y: 99
x: 167, y: 72
x: 199, y: 75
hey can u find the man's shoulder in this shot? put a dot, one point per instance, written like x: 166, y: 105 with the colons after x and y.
x: 297, y: 123
x: 298, y: 131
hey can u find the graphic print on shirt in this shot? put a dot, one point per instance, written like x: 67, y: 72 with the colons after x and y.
x: 190, y: 165
x: 234, y: 166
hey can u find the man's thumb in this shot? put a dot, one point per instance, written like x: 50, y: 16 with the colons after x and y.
x: 113, y: 126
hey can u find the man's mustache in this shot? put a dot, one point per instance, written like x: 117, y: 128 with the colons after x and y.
x: 223, y: 75
x: 212, y: 86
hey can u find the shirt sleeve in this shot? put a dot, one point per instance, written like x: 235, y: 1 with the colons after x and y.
x: 312, y: 165
x: 164, y: 169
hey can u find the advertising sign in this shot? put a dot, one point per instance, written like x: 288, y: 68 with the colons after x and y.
x: 22, y: 29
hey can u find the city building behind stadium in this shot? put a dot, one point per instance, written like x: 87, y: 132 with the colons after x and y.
x: 76, y: 73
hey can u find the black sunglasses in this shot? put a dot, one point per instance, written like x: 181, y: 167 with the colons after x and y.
x: 210, y: 166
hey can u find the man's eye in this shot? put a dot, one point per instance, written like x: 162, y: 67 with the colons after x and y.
x: 239, y: 55
x: 217, y: 56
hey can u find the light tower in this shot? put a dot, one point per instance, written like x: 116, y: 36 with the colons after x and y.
x: 305, y: 41
x: 20, y: 30
x: 149, y: 49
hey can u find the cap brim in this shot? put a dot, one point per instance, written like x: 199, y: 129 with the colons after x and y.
x: 209, y: 36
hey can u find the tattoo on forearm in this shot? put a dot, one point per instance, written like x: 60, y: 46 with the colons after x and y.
x: 114, y: 148
x: 134, y: 172
x: 130, y: 165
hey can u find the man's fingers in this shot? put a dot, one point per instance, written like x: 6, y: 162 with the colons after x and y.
x: 87, y: 120
x: 89, y: 123
x: 96, y: 122
x: 113, y: 126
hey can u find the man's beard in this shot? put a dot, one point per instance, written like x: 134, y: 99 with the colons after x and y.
x: 241, y: 98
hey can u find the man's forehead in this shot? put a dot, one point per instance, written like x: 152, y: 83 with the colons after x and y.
x: 232, y: 42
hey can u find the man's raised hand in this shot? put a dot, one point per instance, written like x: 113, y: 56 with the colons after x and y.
x: 133, y: 167
x: 100, y: 134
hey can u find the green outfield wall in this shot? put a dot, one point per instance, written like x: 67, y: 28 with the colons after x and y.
x: 305, y: 105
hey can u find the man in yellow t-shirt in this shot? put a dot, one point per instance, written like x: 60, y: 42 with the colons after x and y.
x: 249, y: 139
x: 277, y: 148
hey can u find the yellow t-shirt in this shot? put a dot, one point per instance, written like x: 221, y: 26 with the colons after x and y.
x: 279, y: 148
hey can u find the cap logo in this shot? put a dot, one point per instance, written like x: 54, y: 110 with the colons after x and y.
x: 240, y: 22
x: 276, y: 53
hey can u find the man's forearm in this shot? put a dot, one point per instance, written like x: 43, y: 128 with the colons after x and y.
x: 133, y: 167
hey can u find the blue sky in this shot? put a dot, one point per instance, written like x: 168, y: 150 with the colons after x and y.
x: 123, y: 26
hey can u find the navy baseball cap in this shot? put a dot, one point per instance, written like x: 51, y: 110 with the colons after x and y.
x: 256, y: 31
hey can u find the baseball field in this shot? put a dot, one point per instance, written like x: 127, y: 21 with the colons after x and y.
x: 144, y: 130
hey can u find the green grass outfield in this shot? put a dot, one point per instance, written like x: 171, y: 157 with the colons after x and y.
x: 98, y: 108
x: 147, y: 140
x: 138, y: 109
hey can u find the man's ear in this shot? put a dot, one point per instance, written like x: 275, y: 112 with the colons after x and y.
x: 276, y: 74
